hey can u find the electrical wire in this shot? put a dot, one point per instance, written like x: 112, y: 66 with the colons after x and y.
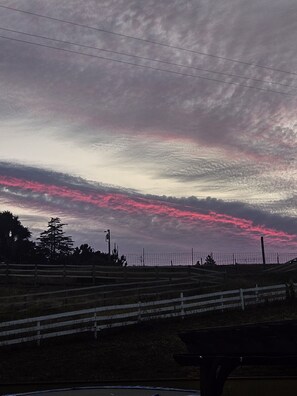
x: 147, y: 58
x: 147, y: 40
x: 149, y: 67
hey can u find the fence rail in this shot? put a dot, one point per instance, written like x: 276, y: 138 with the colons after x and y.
x: 79, y: 298
x: 103, y: 274
x: 96, y: 319
x: 108, y: 286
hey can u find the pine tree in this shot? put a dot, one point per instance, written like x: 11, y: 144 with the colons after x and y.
x: 210, y: 260
x: 53, y: 243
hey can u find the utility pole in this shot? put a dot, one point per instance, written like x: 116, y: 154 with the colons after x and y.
x: 107, y: 238
x: 263, y: 250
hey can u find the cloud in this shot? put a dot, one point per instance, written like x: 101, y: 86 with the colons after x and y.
x: 144, y: 214
x: 97, y: 93
x: 149, y: 130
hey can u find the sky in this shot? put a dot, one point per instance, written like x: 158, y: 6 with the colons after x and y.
x: 171, y: 123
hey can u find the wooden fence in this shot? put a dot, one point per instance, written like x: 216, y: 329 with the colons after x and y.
x: 41, y: 273
x: 104, y: 317
x: 24, y: 305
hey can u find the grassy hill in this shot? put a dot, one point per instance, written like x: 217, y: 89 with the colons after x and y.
x: 138, y: 353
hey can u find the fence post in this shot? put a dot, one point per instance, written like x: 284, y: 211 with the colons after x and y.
x: 94, y: 274
x: 64, y: 273
x: 182, y: 308
x: 35, y: 274
x: 38, y: 333
x: 95, y: 326
x: 139, y: 311
x: 157, y: 272
x: 257, y: 294
x: 241, y: 298
x: 7, y: 272
x: 222, y: 302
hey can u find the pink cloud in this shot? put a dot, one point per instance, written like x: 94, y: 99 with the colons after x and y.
x: 123, y: 203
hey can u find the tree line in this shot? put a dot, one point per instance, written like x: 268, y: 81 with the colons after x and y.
x: 52, y: 245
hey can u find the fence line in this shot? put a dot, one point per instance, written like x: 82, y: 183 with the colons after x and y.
x: 104, y: 274
x: 149, y: 259
x: 103, y: 295
x: 135, y: 283
x: 104, y: 317
x: 193, y: 256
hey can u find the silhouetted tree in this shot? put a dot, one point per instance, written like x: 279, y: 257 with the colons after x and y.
x: 85, y: 250
x: 53, y: 243
x: 14, y: 238
x: 83, y: 254
x: 210, y: 260
x: 86, y: 255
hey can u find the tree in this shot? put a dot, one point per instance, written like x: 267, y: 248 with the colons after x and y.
x: 83, y: 254
x: 210, y: 260
x: 86, y: 255
x: 14, y: 238
x: 53, y: 243
x: 84, y: 251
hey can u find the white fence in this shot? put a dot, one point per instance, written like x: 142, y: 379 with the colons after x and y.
x: 96, y: 319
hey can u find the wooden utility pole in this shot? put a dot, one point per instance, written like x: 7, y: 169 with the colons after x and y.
x: 263, y: 250
x: 107, y: 238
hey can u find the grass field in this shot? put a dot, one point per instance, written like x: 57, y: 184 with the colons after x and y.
x: 21, y: 298
x: 142, y: 352
x: 138, y: 353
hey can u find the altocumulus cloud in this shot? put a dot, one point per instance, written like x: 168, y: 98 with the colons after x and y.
x: 152, y: 131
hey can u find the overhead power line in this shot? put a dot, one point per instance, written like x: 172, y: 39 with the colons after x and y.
x: 148, y: 41
x: 147, y: 58
x: 148, y: 67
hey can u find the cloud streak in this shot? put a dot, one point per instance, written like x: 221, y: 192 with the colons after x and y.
x: 192, y: 214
